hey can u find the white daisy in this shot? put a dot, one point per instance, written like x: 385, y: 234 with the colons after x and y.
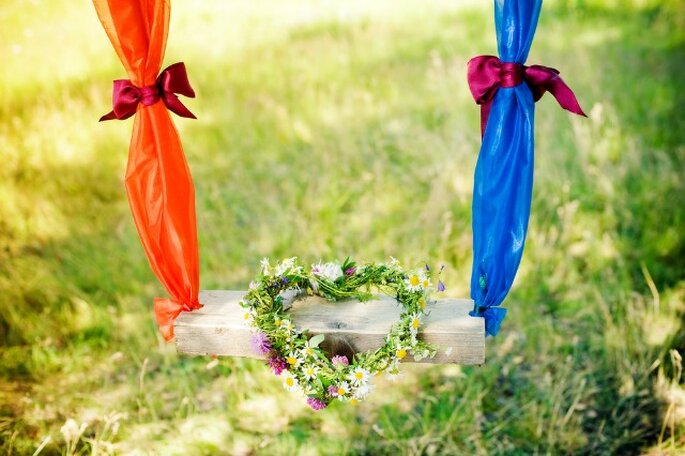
x: 289, y: 381
x: 417, y: 281
x: 414, y: 323
x: 342, y: 390
x: 359, y: 376
x: 307, y: 351
x: 310, y: 372
x: 293, y: 360
x: 362, y: 391
x: 248, y: 316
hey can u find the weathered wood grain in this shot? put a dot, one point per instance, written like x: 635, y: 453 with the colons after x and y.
x: 349, y: 326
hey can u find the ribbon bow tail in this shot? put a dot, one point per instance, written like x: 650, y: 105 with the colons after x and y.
x: 174, y: 80
x: 543, y: 79
x: 109, y: 116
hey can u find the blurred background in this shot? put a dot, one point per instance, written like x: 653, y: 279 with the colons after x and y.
x: 326, y: 129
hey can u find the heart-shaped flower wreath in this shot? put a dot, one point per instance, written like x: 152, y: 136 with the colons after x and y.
x: 295, y: 354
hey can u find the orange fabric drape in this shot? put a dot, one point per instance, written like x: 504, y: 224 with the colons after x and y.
x: 158, y: 182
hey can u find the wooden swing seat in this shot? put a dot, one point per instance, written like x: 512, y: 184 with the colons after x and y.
x: 348, y: 326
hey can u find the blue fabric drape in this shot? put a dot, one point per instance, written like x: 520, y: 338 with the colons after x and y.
x: 503, y: 180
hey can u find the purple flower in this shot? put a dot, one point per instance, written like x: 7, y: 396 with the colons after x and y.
x: 261, y: 343
x: 441, y: 286
x: 427, y: 267
x: 315, y: 403
x: 339, y: 360
x: 284, y: 280
x: 277, y: 364
x: 350, y: 271
x: 333, y: 391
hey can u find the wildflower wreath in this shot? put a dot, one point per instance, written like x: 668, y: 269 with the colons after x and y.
x: 296, y: 354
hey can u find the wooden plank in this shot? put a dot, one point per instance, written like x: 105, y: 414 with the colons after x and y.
x: 349, y: 326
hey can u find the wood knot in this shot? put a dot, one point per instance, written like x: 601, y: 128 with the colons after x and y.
x: 336, y: 324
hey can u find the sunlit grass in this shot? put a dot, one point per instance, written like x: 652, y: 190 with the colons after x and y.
x: 329, y: 129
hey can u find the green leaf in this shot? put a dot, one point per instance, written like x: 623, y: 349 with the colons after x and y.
x: 316, y: 340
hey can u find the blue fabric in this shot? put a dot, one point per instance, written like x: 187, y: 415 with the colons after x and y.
x: 503, y: 180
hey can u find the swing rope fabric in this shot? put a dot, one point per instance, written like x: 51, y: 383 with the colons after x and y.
x: 160, y: 188
x: 507, y: 91
x: 158, y: 182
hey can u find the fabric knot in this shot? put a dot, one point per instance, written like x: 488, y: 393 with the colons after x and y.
x: 149, y: 95
x: 511, y: 74
x: 166, y: 311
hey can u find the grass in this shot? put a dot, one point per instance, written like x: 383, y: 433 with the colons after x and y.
x: 335, y: 129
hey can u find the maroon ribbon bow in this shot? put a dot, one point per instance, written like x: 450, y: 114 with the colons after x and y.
x: 172, y: 80
x: 487, y: 73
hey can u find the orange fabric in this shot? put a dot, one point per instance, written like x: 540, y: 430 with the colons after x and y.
x: 166, y: 311
x: 158, y: 182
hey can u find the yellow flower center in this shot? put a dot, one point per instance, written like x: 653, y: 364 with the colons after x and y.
x: 425, y: 283
x: 414, y: 280
x: 422, y: 304
x: 289, y: 381
x: 359, y: 375
x: 310, y: 371
x: 309, y: 351
x: 291, y: 360
x: 415, y: 323
x: 341, y: 391
x: 353, y: 401
x: 401, y: 353
x: 246, y: 316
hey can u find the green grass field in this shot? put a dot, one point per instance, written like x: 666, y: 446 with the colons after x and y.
x: 329, y: 129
